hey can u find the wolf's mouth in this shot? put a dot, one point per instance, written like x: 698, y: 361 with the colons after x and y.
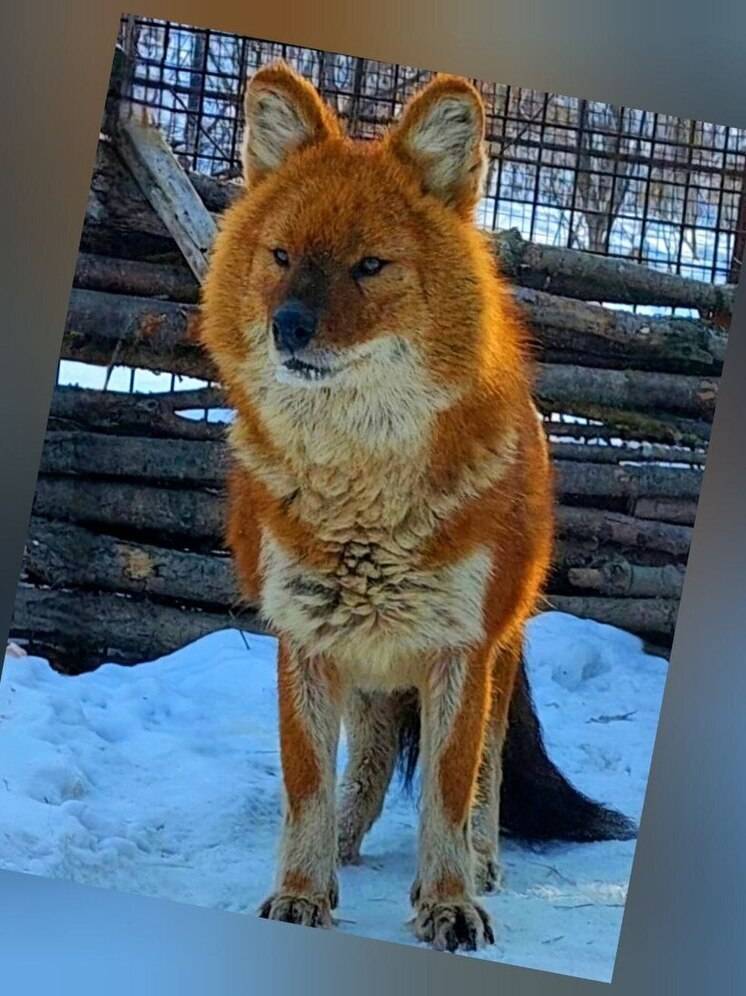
x: 307, y: 371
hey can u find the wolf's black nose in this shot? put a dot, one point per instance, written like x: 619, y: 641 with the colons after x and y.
x: 293, y: 325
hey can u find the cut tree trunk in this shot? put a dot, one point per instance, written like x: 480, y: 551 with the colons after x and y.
x: 136, y: 278
x: 633, y: 427
x: 667, y: 510
x: 152, y: 414
x: 115, y: 329
x: 566, y: 331
x: 195, y: 463
x: 65, y: 556
x: 574, y: 273
x: 188, y: 517
x: 164, y: 335
x: 571, y: 331
x: 604, y: 527
x: 601, y: 480
x: 637, y: 615
x: 584, y: 552
x: 79, y: 630
x: 583, y: 390
x: 620, y: 577
x: 191, y: 517
x: 645, y: 453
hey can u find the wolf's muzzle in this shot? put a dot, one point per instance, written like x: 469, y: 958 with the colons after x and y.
x: 294, y: 324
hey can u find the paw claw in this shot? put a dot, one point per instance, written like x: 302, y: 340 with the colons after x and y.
x: 448, y: 926
x: 304, y: 910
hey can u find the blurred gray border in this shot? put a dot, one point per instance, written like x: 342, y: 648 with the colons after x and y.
x: 684, y: 925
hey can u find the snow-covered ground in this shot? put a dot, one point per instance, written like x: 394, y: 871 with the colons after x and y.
x: 164, y: 779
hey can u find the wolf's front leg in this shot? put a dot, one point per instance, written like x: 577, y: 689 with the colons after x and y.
x: 309, y: 701
x: 455, y: 706
x: 485, y: 815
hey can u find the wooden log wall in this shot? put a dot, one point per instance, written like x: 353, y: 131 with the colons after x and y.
x: 125, y: 559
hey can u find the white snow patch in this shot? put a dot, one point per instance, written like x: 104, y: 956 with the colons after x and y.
x: 164, y: 779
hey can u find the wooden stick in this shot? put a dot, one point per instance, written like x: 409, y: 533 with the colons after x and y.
x: 579, y: 390
x: 137, y: 278
x: 78, y: 630
x: 575, y: 273
x: 63, y: 555
x: 567, y: 330
x: 602, y: 527
x: 667, y: 510
x: 193, y: 518
x: 153, y: 414
x: 166, y: 186
x: 620, y: 577
x: 637, y: 615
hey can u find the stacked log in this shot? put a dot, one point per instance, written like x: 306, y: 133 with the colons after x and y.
x: 125, y: 557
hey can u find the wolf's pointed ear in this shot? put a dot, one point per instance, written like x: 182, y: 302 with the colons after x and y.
x: 283, y: 112
x: 441, y: 134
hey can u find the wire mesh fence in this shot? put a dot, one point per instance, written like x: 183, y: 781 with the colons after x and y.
x: 664, y: 191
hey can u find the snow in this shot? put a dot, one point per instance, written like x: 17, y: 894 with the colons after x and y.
x: 164, y: 780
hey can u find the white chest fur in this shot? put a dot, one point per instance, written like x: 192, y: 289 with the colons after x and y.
x: 353, y: 473
x: 375, y: 612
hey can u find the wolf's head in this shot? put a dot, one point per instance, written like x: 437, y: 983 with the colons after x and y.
x: 353, y: 264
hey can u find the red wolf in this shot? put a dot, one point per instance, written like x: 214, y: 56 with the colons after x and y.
x: 391, y: 501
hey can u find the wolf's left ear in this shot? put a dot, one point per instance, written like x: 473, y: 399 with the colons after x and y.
x: 441, y: 134
x: 283, y: 113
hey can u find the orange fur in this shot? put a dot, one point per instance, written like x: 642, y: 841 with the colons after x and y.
x: 300, y: 765
x: 459, y: 764
x: 296, y: 882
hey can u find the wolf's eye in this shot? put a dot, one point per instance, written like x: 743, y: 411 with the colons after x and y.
x: 368, y: 266
x: 281, y: 257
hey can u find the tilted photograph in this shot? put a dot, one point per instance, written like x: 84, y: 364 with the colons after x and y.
x: 365, y: 502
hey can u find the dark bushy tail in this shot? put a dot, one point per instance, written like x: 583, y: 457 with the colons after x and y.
x: 537, y: 803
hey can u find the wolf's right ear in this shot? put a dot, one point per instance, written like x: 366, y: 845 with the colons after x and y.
x: 283, y: 112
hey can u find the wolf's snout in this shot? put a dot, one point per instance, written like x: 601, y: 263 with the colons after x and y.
x: 293, y: 326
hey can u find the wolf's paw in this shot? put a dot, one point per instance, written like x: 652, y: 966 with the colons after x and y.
x: 310, y: 912
x: 448, y: 926
x: 487, y: 875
